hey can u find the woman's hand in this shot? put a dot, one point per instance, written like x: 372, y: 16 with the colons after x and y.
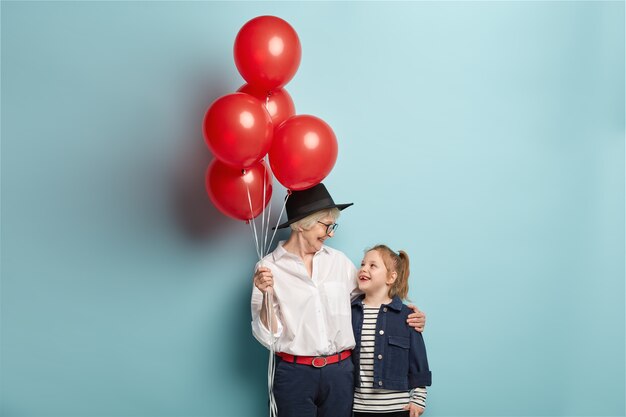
x: 417, y: 319
x: 263, y: 279
x: 414, y: 410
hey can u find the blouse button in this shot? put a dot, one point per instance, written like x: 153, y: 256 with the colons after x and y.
x: 381, y: 332
x: 380, y: 356
x: 380, y: 383
x: 385, y: 310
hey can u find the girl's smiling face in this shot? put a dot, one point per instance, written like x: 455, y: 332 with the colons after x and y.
x: 374, y: 277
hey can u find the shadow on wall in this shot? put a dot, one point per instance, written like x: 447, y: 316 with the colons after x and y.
x: 198, y: 219
x: 194, y: 213
x: 249, y: 357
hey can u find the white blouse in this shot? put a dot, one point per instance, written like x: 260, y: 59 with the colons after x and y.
x: 314, y: 313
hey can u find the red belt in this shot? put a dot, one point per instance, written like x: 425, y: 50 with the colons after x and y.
x: 316, y: 361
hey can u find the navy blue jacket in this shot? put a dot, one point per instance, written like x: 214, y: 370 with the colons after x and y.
x: 400, y: 361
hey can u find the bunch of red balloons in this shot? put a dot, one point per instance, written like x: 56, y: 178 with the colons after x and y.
x: 258, y: 120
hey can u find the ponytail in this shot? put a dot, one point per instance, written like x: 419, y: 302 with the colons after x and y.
x: 401, y: 286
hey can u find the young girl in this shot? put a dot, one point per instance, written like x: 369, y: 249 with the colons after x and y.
x: 391, y: 368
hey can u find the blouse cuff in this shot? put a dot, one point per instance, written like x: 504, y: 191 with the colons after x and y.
x: 263, y: 334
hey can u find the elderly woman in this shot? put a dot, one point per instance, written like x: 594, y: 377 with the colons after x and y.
x: 312, y: 285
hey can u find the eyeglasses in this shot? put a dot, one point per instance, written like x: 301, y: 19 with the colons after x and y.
x: 329, y: 227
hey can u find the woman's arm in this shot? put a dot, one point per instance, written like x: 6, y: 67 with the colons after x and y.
x: 417, y: 319
x: 264, y: 281
x: 263, y: 287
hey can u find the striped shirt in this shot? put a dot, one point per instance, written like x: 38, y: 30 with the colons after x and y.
x: 366, y: 397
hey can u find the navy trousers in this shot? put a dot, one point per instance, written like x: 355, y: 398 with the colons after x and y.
x: 306, y: 391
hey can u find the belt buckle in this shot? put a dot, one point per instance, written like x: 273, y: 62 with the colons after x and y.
x: 316, y: 365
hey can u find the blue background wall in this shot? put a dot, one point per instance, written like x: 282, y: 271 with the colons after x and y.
x: 486, y: 139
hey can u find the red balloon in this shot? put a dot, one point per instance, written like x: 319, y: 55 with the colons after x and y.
x: 238, y: 129
x: 267, y: 52
x: 303, y: 152
x: 228, y: 188
x: 278, y: 103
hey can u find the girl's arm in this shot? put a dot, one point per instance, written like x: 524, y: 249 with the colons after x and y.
x: 417, y: 402
x: 419, y: 373
x: 414, y: 410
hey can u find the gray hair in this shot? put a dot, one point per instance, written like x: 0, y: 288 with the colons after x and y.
x: 309, y: 221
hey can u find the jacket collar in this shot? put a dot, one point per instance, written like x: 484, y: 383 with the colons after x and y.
x: 395, y: 304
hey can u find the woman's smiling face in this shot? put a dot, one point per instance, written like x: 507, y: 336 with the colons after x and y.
x: 315, y: 236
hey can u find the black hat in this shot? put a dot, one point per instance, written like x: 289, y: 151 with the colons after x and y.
x: 303, y: 203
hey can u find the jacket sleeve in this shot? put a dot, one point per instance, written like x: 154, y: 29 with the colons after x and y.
x: 260, y: 332
x: 419, y: 373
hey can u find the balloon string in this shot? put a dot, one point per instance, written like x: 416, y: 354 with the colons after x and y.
x: 272, y: 355
x: 264, y: 225
x: 278, y: 221
x: 255, y: 244
x: 253, y: 225
x: 266, y: 248
x: 263, y: 217
x: 262, y: 248
x: 271, y: 364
